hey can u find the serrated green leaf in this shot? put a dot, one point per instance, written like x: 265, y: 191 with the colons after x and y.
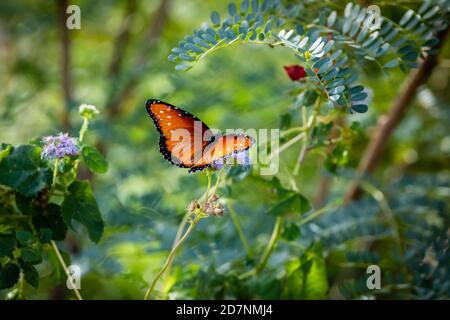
x: 45, y: 235
x: 94, y: 160
x: 9, y: 275
x: 306, y: 278
x: 31, y: 255
x: 80, y: 205
x: 7, y: 245
x: 30, y: 275
x: 285, y: 121
x: 24, y: 170
x: 292, y: 202
x: 290, y: 232
x: 50, y: 218
x: 25, y: 238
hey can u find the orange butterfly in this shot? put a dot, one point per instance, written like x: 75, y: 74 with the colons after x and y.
x: 187, y: 142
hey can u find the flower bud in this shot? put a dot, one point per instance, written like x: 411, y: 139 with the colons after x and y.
x: 193, y: 205
x: 295, y: 72
x: 88, y: 111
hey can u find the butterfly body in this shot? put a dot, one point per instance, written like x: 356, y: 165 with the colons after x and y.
x: 187, y: 142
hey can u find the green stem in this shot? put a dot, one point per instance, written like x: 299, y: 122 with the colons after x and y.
x: 271, y: 245
x: 239, y: 230
x: 178, y: 235
x: 207, y: 190
x: 315, y: 215
x: 182, y: 226
x: 83, y: 129
x: 378, y: 195
x: 219, y: 177
x: 20, y: 294
x: 275, y: 235
x: 308, y: 124
x: 55, y: 172
x: 63, y: 264
x: 172, y: 255
x: 291, y: 130
x: 287, y: 145
x: 301, y: 155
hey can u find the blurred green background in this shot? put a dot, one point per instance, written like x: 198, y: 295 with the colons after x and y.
x: 142, y: 197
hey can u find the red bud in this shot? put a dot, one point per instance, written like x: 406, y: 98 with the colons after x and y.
x: 295, y: 72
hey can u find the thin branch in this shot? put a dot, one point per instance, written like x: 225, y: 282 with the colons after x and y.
x: 122, y: 40
x: 271, y: 245
x: 171, y: 256
x: 66, y: 79
x: 326, y: 181
x: 66, y: 270
x: 237, y: 225
x: 114, y: 105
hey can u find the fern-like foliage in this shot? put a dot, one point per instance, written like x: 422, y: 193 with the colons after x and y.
x: 390, y: 44
x: 340, y: 226
x: 415, y: 267
x: 327, y: 46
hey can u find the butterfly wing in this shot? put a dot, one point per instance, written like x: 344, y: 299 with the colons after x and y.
x: 183, y: 136
x: 223, y: 147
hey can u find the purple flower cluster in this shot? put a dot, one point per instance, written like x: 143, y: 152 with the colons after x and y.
x: 241, y: 158
x: 59, y: 146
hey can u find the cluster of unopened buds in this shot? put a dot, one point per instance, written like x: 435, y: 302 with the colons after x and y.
x: 212, y: 206
x: 193, y: 206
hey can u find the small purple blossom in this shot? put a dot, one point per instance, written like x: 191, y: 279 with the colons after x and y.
x: 59, y: 146
x: 239, y: 158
